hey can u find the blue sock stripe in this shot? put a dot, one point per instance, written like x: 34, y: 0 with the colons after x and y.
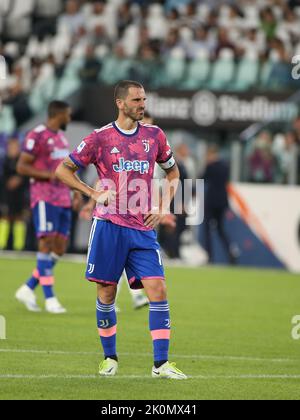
x: 106, y: 311
x: 105, y: 306
x: 160, y: 310
x: 165, y: 302
x: 44, y: 257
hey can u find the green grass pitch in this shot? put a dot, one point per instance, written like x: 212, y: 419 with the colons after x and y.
x: 231, y: 334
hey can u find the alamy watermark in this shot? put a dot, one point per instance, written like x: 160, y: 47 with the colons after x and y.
x: 3, y: 68
x: 133, y: 197
x: 2, y: 328
x: 3, y: 73
x: 296, y: 328
x: 296, y: 68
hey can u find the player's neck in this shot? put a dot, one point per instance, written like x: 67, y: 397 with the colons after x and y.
x: 53, y: 126
x: 126, y: 124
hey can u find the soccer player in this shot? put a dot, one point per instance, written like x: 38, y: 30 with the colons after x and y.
x: 121, y: 238
x: 44, y: 149
x: 139, y: 300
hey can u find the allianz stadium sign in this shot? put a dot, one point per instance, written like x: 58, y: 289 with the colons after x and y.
x: 190, y: 109
x: 206, y: 109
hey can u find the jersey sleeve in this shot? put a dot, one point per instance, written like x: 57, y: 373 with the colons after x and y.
x: 165, y: 157
x: 85, y: 154
x: 31, y: 144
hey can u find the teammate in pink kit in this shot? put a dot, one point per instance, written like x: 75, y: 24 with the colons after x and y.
x: 44, y: 149
x: 122, y: 236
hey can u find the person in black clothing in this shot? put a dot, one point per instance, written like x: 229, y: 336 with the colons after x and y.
x: 91, y: 68
x: 14, y: 192
x: 170, y: 235
x: 216, y: 178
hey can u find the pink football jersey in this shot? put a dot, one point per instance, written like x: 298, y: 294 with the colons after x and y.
x: 125, y: 163
x: 49, y: 149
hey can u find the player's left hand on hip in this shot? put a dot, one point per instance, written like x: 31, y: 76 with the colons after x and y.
x: 104, y: 197
x: 153, y: 218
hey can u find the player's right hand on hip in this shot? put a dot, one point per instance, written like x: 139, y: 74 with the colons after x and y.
x: 104, y: 197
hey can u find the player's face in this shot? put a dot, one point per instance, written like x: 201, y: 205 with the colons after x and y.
x: 134, y: 105
x: 65, y: 119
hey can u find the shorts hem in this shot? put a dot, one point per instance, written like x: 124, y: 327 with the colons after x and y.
x: 50, y: 234
x: 92, y: 280
x: 136, y: 284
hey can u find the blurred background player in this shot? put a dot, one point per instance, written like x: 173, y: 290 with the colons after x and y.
x: 44, y: 148
x: 216, y: 177
x: 127, y: 149
x: 14, y: 198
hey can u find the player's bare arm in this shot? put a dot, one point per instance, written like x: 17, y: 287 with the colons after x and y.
x: 66, y: 173
x: 87, y: 210
x: 154, y: 218
x: 77, y: 202
x: 25, y: 167
x: 86, y: 213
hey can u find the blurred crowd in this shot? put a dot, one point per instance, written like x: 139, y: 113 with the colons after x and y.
x: 156, y: 42
x: 270, y: 157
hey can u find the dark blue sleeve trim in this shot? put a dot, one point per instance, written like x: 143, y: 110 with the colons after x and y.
x: 80, y: 165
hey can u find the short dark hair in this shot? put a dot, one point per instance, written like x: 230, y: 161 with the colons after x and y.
x: 56, y: 107
x: 122, y: 88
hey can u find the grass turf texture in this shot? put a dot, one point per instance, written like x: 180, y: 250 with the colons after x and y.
x: 231, y: 334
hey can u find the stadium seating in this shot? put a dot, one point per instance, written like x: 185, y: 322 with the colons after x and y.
x: 7, y: 120
x: 39, y: 33
x: 115, y: 69
x: 223, y: 70
x: 174, y: 68
x: 247, y: 73
x: 198, y: 71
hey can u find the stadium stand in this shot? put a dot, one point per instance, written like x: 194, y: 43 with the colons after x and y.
x: 40, y: 37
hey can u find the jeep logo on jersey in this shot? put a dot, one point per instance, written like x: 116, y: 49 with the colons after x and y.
x: 141, y: 166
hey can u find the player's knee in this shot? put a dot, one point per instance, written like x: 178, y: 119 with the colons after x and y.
x: 45, y: 245
x: 60, y: 247
x: 107, y: 294
x: 156, y: 290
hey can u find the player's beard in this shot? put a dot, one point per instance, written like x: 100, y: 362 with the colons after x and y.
x: 64, y: 127
x: 135, y: 116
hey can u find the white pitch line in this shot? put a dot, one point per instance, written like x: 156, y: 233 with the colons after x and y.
x: 176, y: 356
x: 97, y: 377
